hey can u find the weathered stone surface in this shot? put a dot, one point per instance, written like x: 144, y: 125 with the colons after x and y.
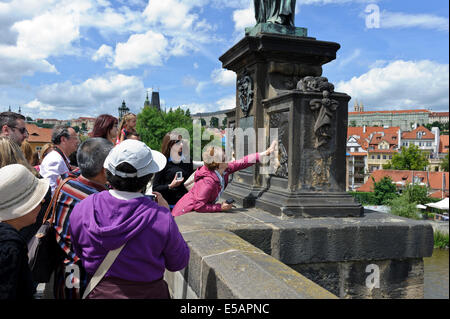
x: 295, y: 241
x: 397, y: 278
x: 222, y: 265
x: 332, y: 252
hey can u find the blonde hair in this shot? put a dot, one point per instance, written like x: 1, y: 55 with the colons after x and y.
x: 213, y: 156
x: 27, y: 151
x: 124, y: 121
x: 10, y: 153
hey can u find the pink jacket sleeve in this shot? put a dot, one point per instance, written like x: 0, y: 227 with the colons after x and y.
x: 203, y: 202
x: 243, y: 163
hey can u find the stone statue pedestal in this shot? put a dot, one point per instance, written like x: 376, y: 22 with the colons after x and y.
x: 312, y: 134
x: 276, y: 28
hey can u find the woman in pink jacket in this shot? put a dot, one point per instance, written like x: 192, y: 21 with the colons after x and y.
x: 211, y: 180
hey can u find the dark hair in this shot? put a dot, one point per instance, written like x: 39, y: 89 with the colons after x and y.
x: 58, y: 132
x: 131, y: 133
x: 168, y: 141
x: 91, y: 155
x: 10, y: 118
x: 103, y: 124
x: 133, y: 184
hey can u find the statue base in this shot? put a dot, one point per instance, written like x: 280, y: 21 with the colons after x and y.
x: 277, y: 29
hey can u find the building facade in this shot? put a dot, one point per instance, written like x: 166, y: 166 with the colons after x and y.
x: 403, y: 119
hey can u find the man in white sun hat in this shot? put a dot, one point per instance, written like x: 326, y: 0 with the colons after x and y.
x: 125, y: 217
x: 21, y: 196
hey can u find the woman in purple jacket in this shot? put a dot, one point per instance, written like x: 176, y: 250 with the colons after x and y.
x: 211, y: 179
x: 105, y: 221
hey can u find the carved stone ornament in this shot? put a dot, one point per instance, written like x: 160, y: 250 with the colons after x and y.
x: 315, y: 84
x: 280, y: 120
x: 323, y: 109
x: 245, y: 92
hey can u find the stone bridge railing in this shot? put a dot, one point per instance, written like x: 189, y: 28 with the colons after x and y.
x: 224, y: 266
x: 249, y: 253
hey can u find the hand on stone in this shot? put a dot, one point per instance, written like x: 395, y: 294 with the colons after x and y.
x: 271, y: 149
x: 226, y: 206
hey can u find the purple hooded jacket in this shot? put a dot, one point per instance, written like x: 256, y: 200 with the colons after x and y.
x: 201, y: 198
x: 101, y: 223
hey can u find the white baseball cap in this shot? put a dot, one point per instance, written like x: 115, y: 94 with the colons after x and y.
x: 138, y: 155
x: 20, y: 191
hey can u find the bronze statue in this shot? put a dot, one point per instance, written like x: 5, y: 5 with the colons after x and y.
x: 275, y: 11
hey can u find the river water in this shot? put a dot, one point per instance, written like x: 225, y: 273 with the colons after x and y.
x: 436, y: 275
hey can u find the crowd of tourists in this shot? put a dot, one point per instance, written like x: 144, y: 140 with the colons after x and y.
x: 96, y: 219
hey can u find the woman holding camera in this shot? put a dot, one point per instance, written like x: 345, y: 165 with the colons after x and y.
x: 169, y: 181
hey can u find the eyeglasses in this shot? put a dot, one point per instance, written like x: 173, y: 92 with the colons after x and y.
x: 22, y: 130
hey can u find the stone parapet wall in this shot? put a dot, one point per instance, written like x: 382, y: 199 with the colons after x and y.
x: 224, y: 266
x: 332, y: 252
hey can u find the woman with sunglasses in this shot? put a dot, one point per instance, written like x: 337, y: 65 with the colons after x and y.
x: 166, y: 181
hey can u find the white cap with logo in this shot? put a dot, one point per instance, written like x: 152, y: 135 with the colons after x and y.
x: 138, y: 155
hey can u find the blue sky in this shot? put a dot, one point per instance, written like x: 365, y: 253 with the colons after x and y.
x: 69, y: 58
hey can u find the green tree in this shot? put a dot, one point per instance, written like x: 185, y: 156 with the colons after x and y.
x: 401, y: 206
x: 224, y: 123
x: 83, y: 127
x: 444, y: 163
x: 29, y: 119
x: 384, y: 191
x: 203, y: 122
x: 410, y: 158
x: 153, y: 124
x: 214, y: 122
x: 352, y: 123
x: 76, y: 128
x: 416, y: 194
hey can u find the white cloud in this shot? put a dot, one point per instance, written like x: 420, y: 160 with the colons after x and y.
x: 323, y: 2
x: 401, y: 85
x: 355, y: 54
x: 189, y: 81
x: 201, y: 86
x: 196, y: 66
x: 223, y: 77
x: 149, y: 48
x: 15, y: 63
x: 405, y: 20
x: 195, y: 107
x: 227, y: 102
x: 244, y: 18
x: 102, y: 93
x: 104, y: 52
x: 171, y: 14
x: 38, y: 105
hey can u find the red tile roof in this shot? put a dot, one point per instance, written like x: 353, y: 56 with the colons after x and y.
x: 435, y: 179
x: 412, y: 135
x: 393, y: 112
x: 372, y: 130
x: 443, y: 144
x: 440, y: 114
x: 38, y: 134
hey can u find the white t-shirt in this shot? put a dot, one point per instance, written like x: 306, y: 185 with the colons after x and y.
x: 52, y: 167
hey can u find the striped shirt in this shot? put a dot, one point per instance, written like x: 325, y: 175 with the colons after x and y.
x: 70, y: 195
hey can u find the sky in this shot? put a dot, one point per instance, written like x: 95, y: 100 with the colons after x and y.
x: 65, y: 59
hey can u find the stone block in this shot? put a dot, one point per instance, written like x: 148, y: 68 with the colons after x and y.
x: 222, y: 265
